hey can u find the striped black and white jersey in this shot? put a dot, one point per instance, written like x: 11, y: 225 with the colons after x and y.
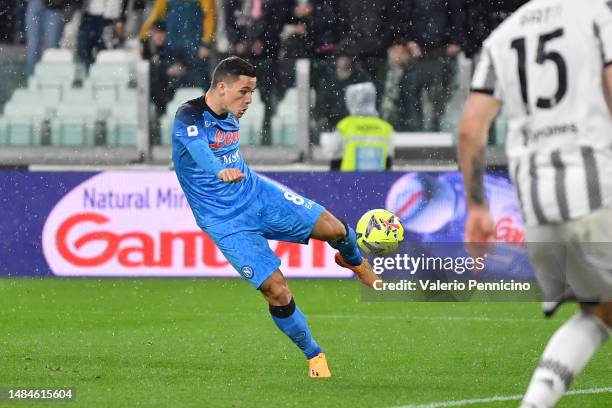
x: 545, y: 63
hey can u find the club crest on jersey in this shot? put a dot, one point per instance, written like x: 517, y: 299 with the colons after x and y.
x: 246, y: 271
x: 192, y: 130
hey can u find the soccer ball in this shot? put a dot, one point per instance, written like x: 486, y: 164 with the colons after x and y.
x: 379, y: 232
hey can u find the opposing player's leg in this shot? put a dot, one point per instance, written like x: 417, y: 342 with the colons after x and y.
x: 342, y: 237
x: 576, y: 271
x: 566, y: 354
x: 291, y: 321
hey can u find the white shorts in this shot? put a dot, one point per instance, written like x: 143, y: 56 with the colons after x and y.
x: 574, y: 259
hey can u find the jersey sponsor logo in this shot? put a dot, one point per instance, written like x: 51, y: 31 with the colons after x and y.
x: 192, y: 130
x: 247, y: 272
x: 224, y: 139
x: 533, y: 136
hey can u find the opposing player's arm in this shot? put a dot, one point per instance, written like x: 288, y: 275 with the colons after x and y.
x: 479, y: 112
x: 603, y: 24
x: 478, y: 115
x: 608, y: 85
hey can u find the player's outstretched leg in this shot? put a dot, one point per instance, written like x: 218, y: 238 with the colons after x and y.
x: 566, y: 354
x: 343, y: 238
x: 291, y: 321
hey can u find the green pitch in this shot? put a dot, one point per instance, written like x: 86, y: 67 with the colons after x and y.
x: 211, y: 343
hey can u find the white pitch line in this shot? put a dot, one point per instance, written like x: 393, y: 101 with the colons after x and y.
x: 462, y: 403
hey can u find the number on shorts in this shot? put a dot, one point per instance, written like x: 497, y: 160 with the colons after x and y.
x: 296, y: 199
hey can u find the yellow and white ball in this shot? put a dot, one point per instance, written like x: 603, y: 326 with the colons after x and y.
x: 379, y: 232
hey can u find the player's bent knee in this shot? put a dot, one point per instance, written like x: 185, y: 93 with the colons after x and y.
x: 338, y: 230
x: 275, y: 290
x: 328, y: 228
x: 279, y: 295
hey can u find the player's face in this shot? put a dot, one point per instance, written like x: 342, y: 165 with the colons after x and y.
x: 239, y: 95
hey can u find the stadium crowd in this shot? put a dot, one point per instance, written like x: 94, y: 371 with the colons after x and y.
x: 407, y: 48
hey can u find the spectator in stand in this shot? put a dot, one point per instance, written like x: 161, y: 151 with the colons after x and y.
x: 44, y: 25
x: 296, y: 40
x: 367, y: 31
x: 7, y: 20
x: 243, y: 20
x: 434, y: 32
x: 253, y: 30
x: 313, y: 35
x: 310, y: 29
x: 161, y: 84
x: 309, y: 32
x: 101, y: 28
x: 481, y: 18
x: 132, y: 18
x: 331, y: 107
x: 392, y: 107
x: 20, y: 12
x: 190, y: 26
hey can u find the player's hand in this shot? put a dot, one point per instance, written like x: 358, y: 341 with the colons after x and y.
x: 479, y: 231
x: 231, y: 175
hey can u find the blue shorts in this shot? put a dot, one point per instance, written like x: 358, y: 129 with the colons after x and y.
x: 274, y: 214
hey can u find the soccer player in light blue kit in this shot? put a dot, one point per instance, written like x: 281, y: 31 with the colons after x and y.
x: 240, y: 211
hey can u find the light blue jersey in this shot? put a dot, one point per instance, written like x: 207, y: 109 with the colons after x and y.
x: 239, y: 217
x: 211, y: 199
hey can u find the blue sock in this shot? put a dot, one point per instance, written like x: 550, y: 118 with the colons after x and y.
x: 292, y: 322
x: 348, y: 247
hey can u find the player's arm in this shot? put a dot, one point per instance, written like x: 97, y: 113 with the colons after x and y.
x: 193, y: 137
x: 480, y: 110
x: 206, y: 160
x: 608, y: 85
x: 478, y: 115
x: 603, y: 23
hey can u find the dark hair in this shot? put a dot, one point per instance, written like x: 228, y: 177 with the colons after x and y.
x: 230, y: 69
